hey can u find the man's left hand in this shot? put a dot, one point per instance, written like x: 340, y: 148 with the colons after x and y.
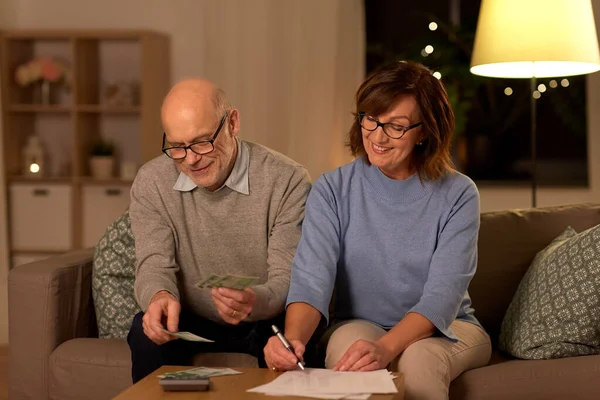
x: 364, y: 356
x: 233, y: 305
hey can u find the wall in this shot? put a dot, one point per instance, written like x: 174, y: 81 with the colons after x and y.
x: 182, y: 21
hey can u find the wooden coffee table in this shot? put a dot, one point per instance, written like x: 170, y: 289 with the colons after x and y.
x: 230, y: 387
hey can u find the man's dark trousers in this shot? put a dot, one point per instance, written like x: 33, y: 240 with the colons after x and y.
x: 147, y: 356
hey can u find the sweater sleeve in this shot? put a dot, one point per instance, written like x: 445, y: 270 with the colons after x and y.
x: 453, y: 263
x: 156, y: 268
x: 315, y: 263
x: 283, y: 240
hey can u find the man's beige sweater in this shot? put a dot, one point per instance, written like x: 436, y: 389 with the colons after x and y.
x: 182, y: 237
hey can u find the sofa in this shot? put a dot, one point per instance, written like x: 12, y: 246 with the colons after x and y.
x: 55, y: 351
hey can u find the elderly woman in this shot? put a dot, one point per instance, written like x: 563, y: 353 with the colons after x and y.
x: 395, y: 232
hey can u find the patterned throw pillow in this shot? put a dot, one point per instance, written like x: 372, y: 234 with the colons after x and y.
x: 555, y: 312
x: 113, y: 278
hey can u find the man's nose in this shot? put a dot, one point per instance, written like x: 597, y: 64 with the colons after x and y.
x: 192, y: 158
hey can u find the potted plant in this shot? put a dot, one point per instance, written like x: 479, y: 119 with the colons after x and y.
x: 102, y: 160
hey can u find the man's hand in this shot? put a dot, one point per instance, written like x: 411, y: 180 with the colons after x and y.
x: 278, y: 358
x: 163, y: 308
x: 364, y: 356
x: 234, y: 305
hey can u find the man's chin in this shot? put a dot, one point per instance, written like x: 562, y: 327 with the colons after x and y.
x: 205, y: 183
x: 202, y: 180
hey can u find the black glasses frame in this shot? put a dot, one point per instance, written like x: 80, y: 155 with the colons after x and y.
x: 405, y: 129
x: 189, y: 147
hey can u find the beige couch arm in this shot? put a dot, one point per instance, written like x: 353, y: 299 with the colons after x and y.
x: 49, y: 302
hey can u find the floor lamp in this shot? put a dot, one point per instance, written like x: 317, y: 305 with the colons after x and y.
x: 535, y: 39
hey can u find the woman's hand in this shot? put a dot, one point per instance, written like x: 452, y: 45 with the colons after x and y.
x: 278, y: 358
x: 364, y: 356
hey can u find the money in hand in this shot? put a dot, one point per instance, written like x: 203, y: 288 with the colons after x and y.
x: 207, y: 282
x: 237, y: 282
x: 186, y: 336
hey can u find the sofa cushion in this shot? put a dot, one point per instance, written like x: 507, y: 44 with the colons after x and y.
x: 113, y: 278
x: 89, y: 368
x: 555, y: 312
x: 508, y: 242
x: 565, y: 378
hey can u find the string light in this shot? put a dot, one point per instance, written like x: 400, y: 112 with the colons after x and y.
x: 564, y: 82
x: 508, y: 91
x: 35, y: 168
x: 553, y: 84
x: 537, y: 95
x: 433, y: 26
x: 437, y: 75
x: 429, y: 49
x: 424, y: 53
x: 542, y: 88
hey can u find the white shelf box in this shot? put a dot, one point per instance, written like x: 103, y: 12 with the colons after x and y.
x: 101, y: 206
x: 41, y: 216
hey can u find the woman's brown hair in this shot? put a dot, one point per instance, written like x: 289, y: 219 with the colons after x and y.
x: 382, y: 89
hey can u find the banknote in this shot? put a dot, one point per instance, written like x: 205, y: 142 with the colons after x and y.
x: 208, y: 281
x: 231, y: 281
x: 186, y: 336
x: 237, y: 282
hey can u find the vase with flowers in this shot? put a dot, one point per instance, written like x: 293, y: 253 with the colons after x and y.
x: 45, y: 73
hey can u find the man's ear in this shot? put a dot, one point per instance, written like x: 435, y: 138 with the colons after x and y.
x: 233, y: 121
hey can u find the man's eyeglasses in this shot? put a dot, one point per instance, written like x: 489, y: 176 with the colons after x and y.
x: 202, y: 147
x: 391, y: 129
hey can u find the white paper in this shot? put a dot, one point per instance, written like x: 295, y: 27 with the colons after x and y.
x: 328, y: 384
x: 363, y: 396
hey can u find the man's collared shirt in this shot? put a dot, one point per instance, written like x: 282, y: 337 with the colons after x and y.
x: 237, y: 180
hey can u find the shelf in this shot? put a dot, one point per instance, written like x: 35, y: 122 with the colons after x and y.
x: 65, y: 34
x: 84, y: 108
x: 103, y: 109
x: 45, y: 180
x: 39, y: 108
x: 87, y: 180
x: 69, y: 206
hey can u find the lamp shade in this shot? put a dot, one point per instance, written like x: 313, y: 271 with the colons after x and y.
x: 535, y: 38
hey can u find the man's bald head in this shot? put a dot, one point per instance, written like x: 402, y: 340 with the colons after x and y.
x: 192, y: 100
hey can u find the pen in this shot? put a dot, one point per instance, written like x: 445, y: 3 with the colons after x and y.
x: 285, y: 343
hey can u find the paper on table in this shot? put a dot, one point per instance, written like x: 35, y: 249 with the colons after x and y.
x: 364, y: 396
x: 317, y: 382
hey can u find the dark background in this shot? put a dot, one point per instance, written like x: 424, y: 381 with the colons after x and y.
x: 496, y: 127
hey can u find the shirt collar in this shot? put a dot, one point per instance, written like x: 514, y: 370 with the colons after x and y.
x: 237, y: 179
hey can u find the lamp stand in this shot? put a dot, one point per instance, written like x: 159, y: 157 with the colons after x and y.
x: 533, y: 144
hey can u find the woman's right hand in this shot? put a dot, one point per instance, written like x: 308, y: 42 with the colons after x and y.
x: 278, y: 358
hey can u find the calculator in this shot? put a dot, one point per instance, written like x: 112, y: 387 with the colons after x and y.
x: 185, y: 383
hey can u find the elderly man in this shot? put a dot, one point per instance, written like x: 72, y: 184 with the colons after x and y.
x: 213, y: 204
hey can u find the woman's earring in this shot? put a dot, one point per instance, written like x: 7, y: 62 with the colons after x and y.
x: 420, y: 143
